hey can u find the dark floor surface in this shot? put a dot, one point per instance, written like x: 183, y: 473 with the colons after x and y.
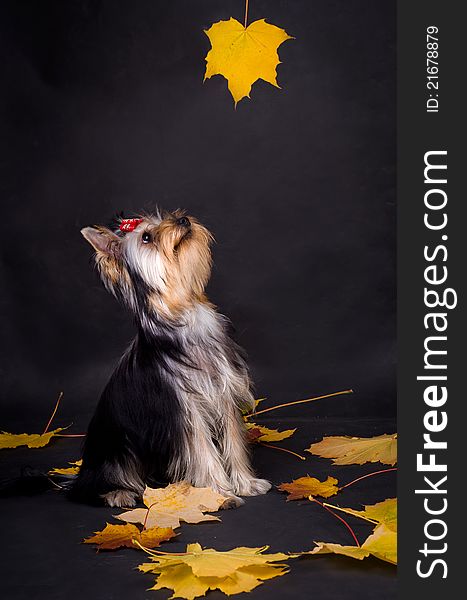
x: 42, y: 557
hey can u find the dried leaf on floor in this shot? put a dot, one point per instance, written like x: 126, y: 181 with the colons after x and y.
x: 166, y: 507
x: 73, y: 470
x: 118, y: 536
x: 345, y: 450
x: 193, y: 573
x: 304, y: 487
x: 31, y: 440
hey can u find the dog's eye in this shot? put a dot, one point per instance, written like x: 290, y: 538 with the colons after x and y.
x: 146, y: 238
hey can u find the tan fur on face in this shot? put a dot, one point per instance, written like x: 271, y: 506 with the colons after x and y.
x: 186, y: 258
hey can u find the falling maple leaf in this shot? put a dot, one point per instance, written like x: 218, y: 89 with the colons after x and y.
x: 384, y: 513
x: 73, y: 470
x: 304, y: 487
x: 258, y: 433
x: 118, y: 536
x: 192, y: 574
x: 354, y: 450
x: 382, y: 544
x: 244, y: 54
x: 166, y: 507
x: 31, y: 440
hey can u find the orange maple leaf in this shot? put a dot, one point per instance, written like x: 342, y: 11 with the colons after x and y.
x: 304, y: 487
x: 118, y: 536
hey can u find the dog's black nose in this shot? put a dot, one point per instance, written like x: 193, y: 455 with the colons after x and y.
x: 183, y: 222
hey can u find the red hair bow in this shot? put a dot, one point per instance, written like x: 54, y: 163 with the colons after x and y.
x: 129, y: 224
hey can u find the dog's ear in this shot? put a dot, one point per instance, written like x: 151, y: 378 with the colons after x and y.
x: 102, y: 239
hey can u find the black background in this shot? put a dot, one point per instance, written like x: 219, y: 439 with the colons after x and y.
x: 104, y: 109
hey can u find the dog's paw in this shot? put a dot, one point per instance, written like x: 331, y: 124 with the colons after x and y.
x: 121, y: 498
x: 232, y: 502
x: 255, y: 487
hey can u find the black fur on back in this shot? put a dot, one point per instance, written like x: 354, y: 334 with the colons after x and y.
x: 137, y: 421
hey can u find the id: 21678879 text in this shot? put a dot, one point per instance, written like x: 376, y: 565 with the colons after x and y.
x: 432, y: 69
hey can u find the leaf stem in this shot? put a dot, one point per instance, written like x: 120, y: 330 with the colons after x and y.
x: 246, y: 13
x: 156, y: 552
x: 368, y: 475
x: 265, y: 410
x: 147, y: 514
x: 325, y: 506
x: 60, y: 396
x: 174, y: 553
x: 268, y: 445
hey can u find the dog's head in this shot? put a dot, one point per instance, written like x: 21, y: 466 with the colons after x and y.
x: 158, y: 263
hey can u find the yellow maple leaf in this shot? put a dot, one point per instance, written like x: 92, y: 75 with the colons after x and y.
x: 166, y: 507
x: 31, y: 440
x: 73, y: 470
x: 118, y: 536
x: 244, y: 54
x: 303, y: 487
x: 329, y: 548
x: 264, y: 434
x: 192, y: 574
x: 380, y: 513
x: 347, y: 450
x: 382, y: 544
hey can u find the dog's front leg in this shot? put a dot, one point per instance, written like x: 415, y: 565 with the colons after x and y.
x: 200, y: 461
x: 237, y: 460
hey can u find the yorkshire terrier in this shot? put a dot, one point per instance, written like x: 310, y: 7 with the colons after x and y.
x: 172, y: 408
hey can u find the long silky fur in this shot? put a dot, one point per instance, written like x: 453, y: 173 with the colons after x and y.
x: 171, y: 410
